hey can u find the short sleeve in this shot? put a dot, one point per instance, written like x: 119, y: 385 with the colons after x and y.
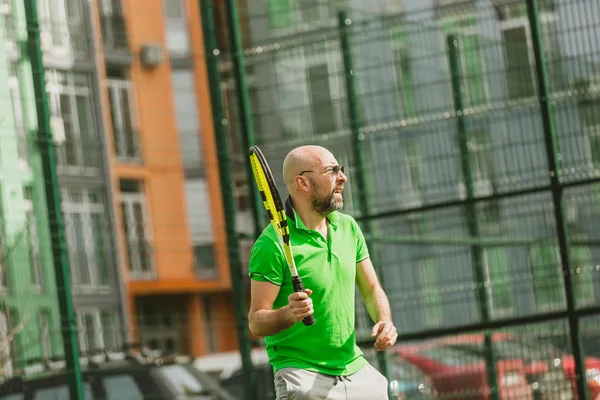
x: 362, y: 252
x: 266, y: 261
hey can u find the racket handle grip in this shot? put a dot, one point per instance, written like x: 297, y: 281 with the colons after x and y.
x: 299, y: 287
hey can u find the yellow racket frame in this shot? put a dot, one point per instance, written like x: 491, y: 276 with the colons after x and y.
x: 276, y: 215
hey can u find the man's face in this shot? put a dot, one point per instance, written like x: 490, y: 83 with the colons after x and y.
x: 327, y: 182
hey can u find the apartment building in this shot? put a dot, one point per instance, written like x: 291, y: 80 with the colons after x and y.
x: 404, y: 81
x: 165, y: 175
x: 28, y: 308
x: 29, y: 317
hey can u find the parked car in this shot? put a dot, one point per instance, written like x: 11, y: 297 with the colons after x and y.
x: 549, y: 369
x: 457, y: 374
x: 117, y: 376
x: 227, y: 368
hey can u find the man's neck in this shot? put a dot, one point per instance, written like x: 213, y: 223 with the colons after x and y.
x: 311, y: 219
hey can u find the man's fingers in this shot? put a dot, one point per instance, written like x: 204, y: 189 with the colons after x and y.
x: 386, y: 333
x: 298, y: 296
x: 295, y: 296
x: 376, y: 329
x: 388, y: 343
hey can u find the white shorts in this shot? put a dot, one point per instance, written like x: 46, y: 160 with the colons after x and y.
x: 298, y: 384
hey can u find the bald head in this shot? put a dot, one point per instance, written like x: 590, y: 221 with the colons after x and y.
x: 302, y: 159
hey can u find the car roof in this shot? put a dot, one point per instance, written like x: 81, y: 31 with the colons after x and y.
x: 227, y: 363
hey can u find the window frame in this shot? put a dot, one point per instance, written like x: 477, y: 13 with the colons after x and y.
x: 117, y: 89
x: 81, y: 140
x: 85, y: 209
x: 128, y: 201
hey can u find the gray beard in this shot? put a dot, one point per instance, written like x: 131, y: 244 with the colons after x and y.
x: 324, y: 205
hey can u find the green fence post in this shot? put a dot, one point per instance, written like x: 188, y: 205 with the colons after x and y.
x: 552, y: 153
x: 358, y: 148
x: 244, y: 110
x: 477, y: 255
x: 53, y: 203
x: 220, y: 123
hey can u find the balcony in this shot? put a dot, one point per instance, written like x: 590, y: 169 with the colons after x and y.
x: 79, y: 156
x: 126, y: 138
x: 140, y: 256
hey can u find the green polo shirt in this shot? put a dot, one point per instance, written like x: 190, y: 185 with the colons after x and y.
x: 328, y: 268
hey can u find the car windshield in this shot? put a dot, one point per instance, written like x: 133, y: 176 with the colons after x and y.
x: 181, y: 379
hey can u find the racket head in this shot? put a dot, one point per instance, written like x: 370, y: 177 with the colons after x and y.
x: 271, y: 200
x: 262, y: 182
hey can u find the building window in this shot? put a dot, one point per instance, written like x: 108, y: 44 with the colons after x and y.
x: 162, y: 326
x: 122, y: 113
x: 87, y: 239
x: 546, y: 272
x: 481, y: 158
x: 35, y: 260
x: 6, y: 367
x: 45, y: 334
x: 186, y: 114
x: 404, y: 76
x: 112, y: 25
x: 281, y: 13
x: 430, y: 286
x: 6, y: 19
x: 321, y: 105
x: 3, y: 261
x: 137, y: 230
x: 62, y: 28
x: 285, y: 15
x: 201, y: 226
x: 498, y: 273
x: 72, y: 122
x: 583, y: 271
x: 413, y: 165
x: 19, y: 121
x: 590, y: 117
x: 176, y: 26
x: 471, y: 57
x: 518, y: 49
x: 98, y: 330
x: 205, y: 261
x: 313, y: 102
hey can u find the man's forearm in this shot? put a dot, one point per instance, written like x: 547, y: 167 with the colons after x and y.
x: 271, y: 322
x: 378, y: 305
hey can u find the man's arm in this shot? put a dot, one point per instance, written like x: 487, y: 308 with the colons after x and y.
x: 377, y: 304
x: 263, y: 320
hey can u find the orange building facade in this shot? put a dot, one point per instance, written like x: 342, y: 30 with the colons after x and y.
x: 164, y: 175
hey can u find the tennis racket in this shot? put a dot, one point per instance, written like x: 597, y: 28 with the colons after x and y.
x: 274, y: 207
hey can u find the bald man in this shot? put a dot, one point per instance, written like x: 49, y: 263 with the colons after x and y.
x: 321, y: 361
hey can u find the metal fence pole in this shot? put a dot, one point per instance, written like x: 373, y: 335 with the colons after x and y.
x: 220, y: 123
x: 358, y: 147
x: 244, y: 110
x: 553, y: 155
x: 53, y: 204
x: 477, y: 255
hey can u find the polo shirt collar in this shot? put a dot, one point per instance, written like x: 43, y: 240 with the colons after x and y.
x: 333, y: 216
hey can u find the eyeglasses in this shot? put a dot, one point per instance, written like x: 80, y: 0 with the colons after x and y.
x: 334, y: 170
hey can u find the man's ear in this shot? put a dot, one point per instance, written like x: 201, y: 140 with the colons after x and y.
x: 302, y: 183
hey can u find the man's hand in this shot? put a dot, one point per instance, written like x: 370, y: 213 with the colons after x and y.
x: 386, y: 334
x: 301, y: 305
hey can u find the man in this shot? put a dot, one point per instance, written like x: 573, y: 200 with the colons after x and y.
x: 321, y: 361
